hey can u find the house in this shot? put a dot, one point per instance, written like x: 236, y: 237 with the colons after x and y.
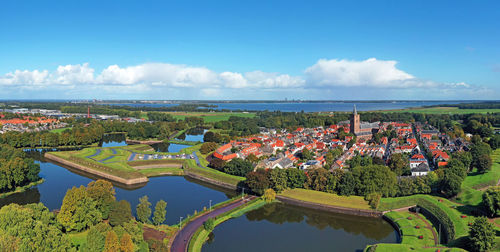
x: 311, y: 164
x: 421, y: 170
x: 284, y: 163
x: 417, y: 159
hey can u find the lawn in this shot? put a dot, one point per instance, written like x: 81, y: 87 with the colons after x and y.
x: 331, y: 199
x: 155, y: 172
x: 409, y: 231
x: 210, y: 173
x: 470, y: 194
x: 443, y: 110
x: 60, y: 130
x: 79, y: 239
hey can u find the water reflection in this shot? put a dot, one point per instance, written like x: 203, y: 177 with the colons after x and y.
x: 280, y: 227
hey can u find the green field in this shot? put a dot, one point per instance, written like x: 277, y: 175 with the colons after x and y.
x: 207, y: 116
x: 60, y: 130
x: 470, y: 194
x: 443, y: 110
x: 331, y: 199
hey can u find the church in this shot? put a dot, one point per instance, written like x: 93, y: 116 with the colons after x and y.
x: 362, y: 130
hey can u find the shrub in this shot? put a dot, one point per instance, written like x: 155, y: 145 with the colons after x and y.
x: 269, y: 195
x: 209, y: 225
x: 373, y: 199
x: 208, y: 147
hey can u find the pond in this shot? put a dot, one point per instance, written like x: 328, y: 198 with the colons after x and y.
x: 280, y: 227
x: 193, y: 135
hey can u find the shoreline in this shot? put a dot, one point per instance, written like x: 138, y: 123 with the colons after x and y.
x: 21, y: 189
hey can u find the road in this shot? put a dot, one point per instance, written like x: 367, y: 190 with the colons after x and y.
x: 181, y: 240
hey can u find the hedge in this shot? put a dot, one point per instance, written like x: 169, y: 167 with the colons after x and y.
x: 437, y: 216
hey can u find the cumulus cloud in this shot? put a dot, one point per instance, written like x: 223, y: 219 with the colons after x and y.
x: 174, y: 78
x: 370, y: 72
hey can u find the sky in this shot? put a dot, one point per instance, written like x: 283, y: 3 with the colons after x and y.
x: 255, y: 50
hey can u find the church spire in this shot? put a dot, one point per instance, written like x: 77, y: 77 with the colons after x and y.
x: 354, y: 111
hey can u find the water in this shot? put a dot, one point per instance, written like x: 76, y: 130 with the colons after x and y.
x: 182, y: 195
x: 280, y: 227
x: 169, y: 147
x: 312, y: 106
x: 193, y: 135
x: 113, y: 140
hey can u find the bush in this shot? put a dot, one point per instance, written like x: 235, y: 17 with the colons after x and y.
x: 209, y: 225
x: 269, y: 195
x: 373, y: 199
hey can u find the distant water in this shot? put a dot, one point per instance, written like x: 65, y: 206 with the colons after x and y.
x: 312, y: 106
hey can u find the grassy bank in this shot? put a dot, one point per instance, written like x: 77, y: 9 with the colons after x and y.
x: 324, y: 198
x: 212, y: 174
x: 201, y: 235
x: 471, y: 193
x: 411, y: 228
x: 20, y: 189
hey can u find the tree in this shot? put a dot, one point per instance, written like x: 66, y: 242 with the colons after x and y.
x: 347, y: 185
x: 451, y: 184
x: 465, y: 157
x: 258, y: 181
x: 456, y: 167
x: 143, y: 209
x: 217, y: 164
x: 375, y: 179
x: 398, y: 163
x: 494, y: 141
x: 373, y: 199
x: 483, y: 163
x: 477, y: 150
x: 111, y: 244
x: 209, y: 224
x: 278, y: 179
x: 269, y: 195
x: 126, y: 244
x: 295, y: 178
x: 160, y: 213
x: 95, y: 240
x: 306, y: 154
x: 103, y: 193
x: 120, y: 213
x: 238, y: 167
x: 481, y: 235
x: 317, y: 179
x: 212, y: 137
x: 208, y: 147
x: 78, y: 210
x: 491, y: 200
x: 252, y: 158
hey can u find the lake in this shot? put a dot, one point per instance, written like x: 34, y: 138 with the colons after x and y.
x: 311, y: 106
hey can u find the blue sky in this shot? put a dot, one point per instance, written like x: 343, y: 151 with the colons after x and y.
x: 250, y: 49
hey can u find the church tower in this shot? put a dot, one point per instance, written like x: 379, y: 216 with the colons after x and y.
x: 355, y: 121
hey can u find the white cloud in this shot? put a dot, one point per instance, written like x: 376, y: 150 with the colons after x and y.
x: 370, y: 72
x: 171, y: 80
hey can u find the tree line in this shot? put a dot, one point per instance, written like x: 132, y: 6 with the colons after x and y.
x: 16, y: 169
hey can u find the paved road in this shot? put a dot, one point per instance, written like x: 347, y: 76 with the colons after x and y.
x: 181, y: 240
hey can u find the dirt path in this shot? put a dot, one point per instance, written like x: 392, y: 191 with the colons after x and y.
x: 428, y: 226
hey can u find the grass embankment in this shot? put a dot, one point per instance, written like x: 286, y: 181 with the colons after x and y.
x: 79, y: 239
x: 20, y: 189
x: 411, y: 228
x: 324, y: 198
x: 393, y: 247
x: 201, y: 235
x: 210, y: 173
x: 183, y: 142
x: 442, y: 110
x: 475, y: 182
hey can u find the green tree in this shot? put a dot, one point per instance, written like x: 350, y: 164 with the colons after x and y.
x: 120, y: 213
x: 212, y: 137
x: 258, y: 181
x: 481, y: 235
x: 491, y: 200
x: 143, y: 209
x: 451, y: 184
x: 238, y: 167
x: 160, y: 213
x: 306, y: 154
x: 78, y: 210
x: 375, y: 179
x: 95, y: 240
x: 295, y: 178
x: 103, y: 193
x: 217, y: 164
x: 209, y: 224
x: 278, y: 179
x: 483, y: 163
x: 208, y: 147
x: 477, y: 150
x: 269, y: 195
x: 398, y: 163
x: 347, y: 185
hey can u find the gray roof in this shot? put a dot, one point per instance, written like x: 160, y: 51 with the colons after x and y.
x: 422, y: 167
